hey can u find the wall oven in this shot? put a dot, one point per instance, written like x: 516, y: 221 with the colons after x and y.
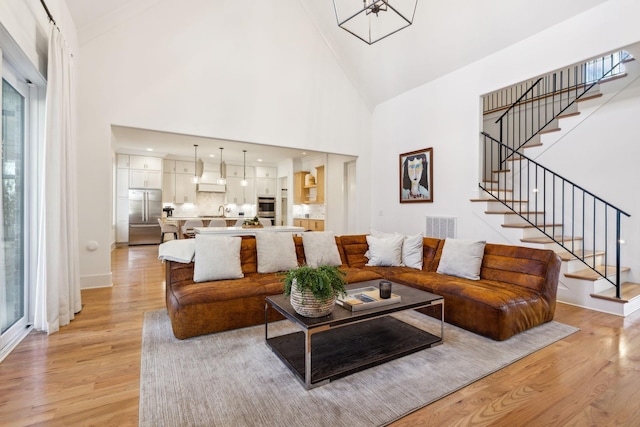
x: 266, y: 207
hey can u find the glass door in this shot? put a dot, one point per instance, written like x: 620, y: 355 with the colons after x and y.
x: 13, y: 291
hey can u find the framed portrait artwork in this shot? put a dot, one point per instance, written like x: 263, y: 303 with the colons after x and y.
x: 416, y: 176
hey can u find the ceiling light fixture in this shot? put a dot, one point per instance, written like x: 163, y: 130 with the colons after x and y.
x: 195, y: 164
x: 376, y: 19
x: 222, y: 180
x: 244, y: 182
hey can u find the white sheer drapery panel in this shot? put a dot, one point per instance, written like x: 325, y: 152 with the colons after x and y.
x: 58, y: 274
x: 3, y: 286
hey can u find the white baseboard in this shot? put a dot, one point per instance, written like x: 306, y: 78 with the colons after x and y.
x: 96, y: 281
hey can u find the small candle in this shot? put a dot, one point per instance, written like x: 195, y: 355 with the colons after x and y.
x: 385, y: 289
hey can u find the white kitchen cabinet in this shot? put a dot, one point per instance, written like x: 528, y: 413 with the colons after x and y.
x: 237, y: 171
x: 122, y: 161
x: 185, y: 188
x: 122, y: 219
x: 185, y: 167
x: 238, y: 194
x: 266, y: 186
x: 168, y: 166
x: 122, y: 231
x: 145, y: 178
x: 266, y: 172
x: 168, y: 187
x: 122, y: 183
x: 145, y: 163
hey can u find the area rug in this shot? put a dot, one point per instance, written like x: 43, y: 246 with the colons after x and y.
x: 234, y: 379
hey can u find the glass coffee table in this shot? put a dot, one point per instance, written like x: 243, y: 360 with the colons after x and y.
x: 345, y: 341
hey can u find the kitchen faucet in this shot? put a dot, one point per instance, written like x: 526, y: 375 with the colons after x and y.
x: 221, y: 207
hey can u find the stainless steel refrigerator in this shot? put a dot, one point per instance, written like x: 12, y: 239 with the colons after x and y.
x: 145, y: 207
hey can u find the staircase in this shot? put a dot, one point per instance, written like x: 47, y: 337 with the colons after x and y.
x: 534, y: 206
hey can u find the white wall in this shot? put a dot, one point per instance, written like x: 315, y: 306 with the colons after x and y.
x: 446, y: 115
x: 217, y: 69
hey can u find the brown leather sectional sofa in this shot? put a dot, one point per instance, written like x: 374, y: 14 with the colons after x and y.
x: 516, y: 290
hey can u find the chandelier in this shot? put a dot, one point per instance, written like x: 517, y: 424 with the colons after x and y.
x: 373, y: 20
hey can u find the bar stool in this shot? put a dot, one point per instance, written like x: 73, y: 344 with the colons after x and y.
x: 167, y: 228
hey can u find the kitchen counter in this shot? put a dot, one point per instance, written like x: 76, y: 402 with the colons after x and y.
x: 180, y: 220
x: 239, y: 231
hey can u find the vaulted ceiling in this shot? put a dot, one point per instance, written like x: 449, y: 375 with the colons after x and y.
x: 446, y: 35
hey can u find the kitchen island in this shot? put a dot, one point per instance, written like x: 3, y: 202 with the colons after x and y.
x: 180, y: 220
x: 239, y: 231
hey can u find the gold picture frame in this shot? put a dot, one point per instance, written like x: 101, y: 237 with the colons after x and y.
x: 416, y: 176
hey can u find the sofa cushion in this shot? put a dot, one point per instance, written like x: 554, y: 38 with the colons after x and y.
x: 462, y: 258
x: 320, y: 248
x: 385, y: 251
x: 217, y: 258
x: 276, y: 252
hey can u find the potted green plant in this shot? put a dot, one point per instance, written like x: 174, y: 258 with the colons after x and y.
x: 252, y: 223
x: 313, y: 291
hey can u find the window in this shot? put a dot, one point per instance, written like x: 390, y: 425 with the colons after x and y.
x: 14, y: 293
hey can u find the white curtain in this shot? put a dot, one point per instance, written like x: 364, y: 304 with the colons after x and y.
x: 58, y: 274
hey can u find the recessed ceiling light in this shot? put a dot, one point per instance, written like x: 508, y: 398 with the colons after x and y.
x: 212, y: 155
x: 258, y: 160
x: 149, y: 149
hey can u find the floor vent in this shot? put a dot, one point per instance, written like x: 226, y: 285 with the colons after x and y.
x: 441, y: 227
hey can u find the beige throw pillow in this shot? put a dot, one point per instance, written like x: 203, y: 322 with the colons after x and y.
x: 217, y: 258
x: 462, y: 258
x: 276, y: 252
x: 320, y: 249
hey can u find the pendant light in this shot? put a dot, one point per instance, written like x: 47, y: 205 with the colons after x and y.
x: 244, y: 182
x: 222, y: 180
x: 373, y: 20
x: 195, y: 165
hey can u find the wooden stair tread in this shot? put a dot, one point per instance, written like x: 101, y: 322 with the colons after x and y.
x: 545, y: 131
x: 501, y: 171
x: 489, y: 199
x: 568, y: 256
x: 589, y: 97
x: 549, y: 239
x: 488, y: 190
x: 523, y: 213
x: 629, y: 291
x: 527, y: 225
x: 567, y: 115
x: 531, y: 145
x: 612, y: 78
x: 515, y: 159
x: 589, y: 274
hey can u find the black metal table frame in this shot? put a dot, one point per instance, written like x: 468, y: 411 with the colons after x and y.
x: 362, y: 316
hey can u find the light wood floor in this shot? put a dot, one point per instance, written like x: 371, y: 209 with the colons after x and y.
x: 88, y: 373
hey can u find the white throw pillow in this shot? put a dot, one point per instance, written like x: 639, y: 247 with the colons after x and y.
x: 276, y: 252
x: 379, y: 234
x: 462, y: 258
x: 411, y: 248
x: 320, y: 248
x: 217, y: 258
x: 385, y: 252
x: 181, y: 250
x: 412, y: 251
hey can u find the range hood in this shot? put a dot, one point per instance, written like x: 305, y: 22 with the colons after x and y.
x: 212, y: 188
